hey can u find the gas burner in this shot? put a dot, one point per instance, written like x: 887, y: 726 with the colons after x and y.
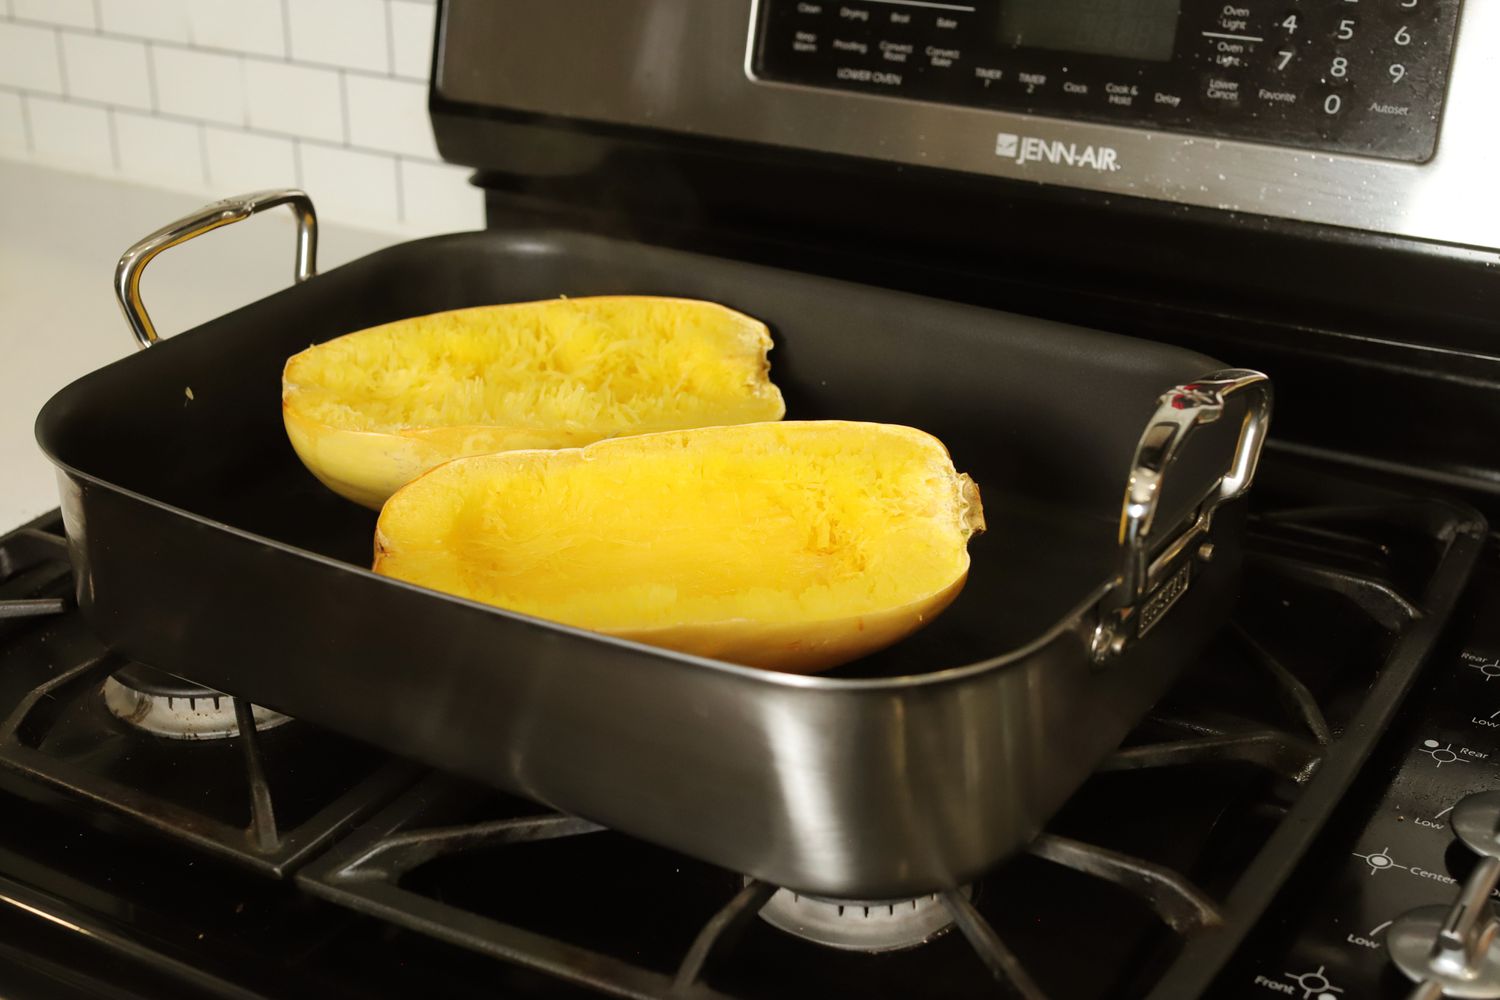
x: 176, y: 709
x: 869, y: 926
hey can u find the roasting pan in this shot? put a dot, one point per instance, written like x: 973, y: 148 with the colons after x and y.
x: 204, y: 548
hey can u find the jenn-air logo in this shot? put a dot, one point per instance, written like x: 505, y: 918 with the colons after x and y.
x: 1030, y: 149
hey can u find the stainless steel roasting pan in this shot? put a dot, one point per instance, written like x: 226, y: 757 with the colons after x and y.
x: 204, y: 548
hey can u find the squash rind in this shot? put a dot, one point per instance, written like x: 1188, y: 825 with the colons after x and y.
x: 420, y: 523
x: 367, y: 465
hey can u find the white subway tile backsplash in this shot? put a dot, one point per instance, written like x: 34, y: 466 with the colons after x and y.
x: 108, y: 70
x: 438, y: 198
x: 389, y: 115
x: 353, y: 187
x: 237, y: 95
x: 205, y: 85
x: 29, y: 58
x: 252, y: 26
x: 348, y: 33
x: 13, y: 145
x: 298, y: 100
x: 68, y: 13
x: 160, y: 20
x: 239, y: 162
x: 159, y: 151
x: 76, y: 136
x: 412, y: 25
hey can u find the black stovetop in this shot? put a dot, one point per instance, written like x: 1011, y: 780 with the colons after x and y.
x: 1201, y: 858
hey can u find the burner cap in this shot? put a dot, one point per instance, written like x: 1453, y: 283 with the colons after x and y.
x: 169, y: 706
x: 149, y: 680
x: 859, y: 925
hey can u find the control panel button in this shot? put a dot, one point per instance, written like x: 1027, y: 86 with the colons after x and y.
x: 1221, y: 90
x: 1121, y: 95
x: 1336, y: 72
x: 1233, y: 19
x: 1331, y: 105
x: 1031, y: 82
x: 896, y: 52
x: 1270, y: 95
x: 940, y: 57
x: 1391, y: 109
x: 1414, y: 10
x: 853, y: 14
x: 988, y: 76
x: 1166, y: 99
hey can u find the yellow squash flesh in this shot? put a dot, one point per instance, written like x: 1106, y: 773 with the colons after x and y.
x: 372, y: 410
x: 796, y: 546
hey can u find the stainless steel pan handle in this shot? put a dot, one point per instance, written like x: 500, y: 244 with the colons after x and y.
x: 1149, y: 584
x: 221, y: 213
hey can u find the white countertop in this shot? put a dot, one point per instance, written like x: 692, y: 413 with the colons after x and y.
x: 60, y: 237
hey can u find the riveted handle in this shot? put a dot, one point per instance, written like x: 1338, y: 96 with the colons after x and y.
x: 1179, y: 412
x: 221, y: 213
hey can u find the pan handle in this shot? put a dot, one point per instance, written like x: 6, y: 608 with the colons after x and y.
x: 221, y: 213
x: 1148, y: 586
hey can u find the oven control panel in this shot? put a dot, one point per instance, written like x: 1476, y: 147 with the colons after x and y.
x: 1356, y: 76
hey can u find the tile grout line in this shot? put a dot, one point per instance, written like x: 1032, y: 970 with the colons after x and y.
x: 286, y: 29
x: 168, y: 43
x: 114, y: 137
x: 344, y: 104
x: 208, y: 181
x: 151, y: 77
x: 26, y: 125
x: 239, y: 68
x: 228, y: 126
x: 62, y: 64
x: 98, y: 16
x: 390, y: 41
x: 400, y: 190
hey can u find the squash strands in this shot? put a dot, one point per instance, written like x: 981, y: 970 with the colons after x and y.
x: 796, y: 546
x: 372, y: 410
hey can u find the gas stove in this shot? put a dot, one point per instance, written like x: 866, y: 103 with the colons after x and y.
x: 1260, y: 831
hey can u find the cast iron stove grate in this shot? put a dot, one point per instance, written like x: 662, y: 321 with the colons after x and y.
x: 264, y: 799
x: 1162, y: 862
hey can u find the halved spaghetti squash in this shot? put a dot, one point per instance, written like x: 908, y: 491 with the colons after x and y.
x: 372, y: 410
x: 795, y: 545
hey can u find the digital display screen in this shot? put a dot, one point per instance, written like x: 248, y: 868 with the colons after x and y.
x: 1133, y: 29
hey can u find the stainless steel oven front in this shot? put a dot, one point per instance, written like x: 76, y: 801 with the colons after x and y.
x: 1370, y: 114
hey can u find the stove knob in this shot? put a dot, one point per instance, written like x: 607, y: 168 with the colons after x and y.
x: 1455, y: 951
x: 1476, y: 821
